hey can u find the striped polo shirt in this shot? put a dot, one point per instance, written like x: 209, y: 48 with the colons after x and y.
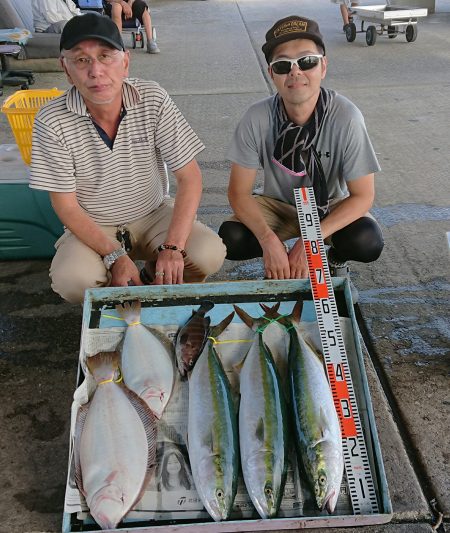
x: 118, y: 185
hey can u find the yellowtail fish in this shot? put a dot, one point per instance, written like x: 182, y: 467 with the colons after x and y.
x: 317, y: 430
x: 263, y: 430
x: 115, y: 444
x: 213, y: 435
x: 147, y: 360
x: 191, y: 338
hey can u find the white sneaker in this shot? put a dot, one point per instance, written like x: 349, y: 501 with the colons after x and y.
x: 152, y: 47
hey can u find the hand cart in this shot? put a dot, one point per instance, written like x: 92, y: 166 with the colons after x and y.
x: 385, y: 19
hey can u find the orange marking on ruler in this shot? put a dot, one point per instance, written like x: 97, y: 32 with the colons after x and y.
x: 315, y: 263
x: 304, y: 194
x: 340, y: 393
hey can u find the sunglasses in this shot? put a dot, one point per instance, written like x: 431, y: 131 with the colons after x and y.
x: 284, y: 66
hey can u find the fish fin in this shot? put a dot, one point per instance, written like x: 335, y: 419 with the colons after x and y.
x: 245, y: 317
x: 216, y: 330
x: 79, y: 425
x: 297, y: 311
x: 206, y: 306
x: 163, y: 339
x: 237, y: 367
x: 260, y: 430
x: 149, y: 422
x: 208, y: 442
x: 324, y: 425
x: 130, y: 312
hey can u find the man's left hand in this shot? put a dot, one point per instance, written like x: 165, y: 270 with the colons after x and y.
x: 297, y: 261
x: 169, y: 268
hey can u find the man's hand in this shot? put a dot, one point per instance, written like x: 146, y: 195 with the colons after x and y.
x: 127, y: 11
x: 123, y: 271
x: 169, y: 268
x: 276, y: 262
x: 297, y: 261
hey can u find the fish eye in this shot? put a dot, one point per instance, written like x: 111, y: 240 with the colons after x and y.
x: 268, y: 491
x: 322, y: 480
x: 190, y: 363
x: 219, y: 494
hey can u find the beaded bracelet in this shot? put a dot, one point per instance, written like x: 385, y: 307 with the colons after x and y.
x: 162, y: 247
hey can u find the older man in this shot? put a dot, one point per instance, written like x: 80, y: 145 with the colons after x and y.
x: 304, y: 135
x: 100, y: 150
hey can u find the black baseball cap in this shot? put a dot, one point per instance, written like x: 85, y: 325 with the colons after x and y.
x: 290, y: 28
x: 90, y: 26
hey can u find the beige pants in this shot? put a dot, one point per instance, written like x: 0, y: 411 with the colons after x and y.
x: 77, y: 267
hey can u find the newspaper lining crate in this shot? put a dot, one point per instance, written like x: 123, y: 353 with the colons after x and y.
x: 170, y: 306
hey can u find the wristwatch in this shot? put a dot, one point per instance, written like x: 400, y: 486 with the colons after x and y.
x: 110, y: 259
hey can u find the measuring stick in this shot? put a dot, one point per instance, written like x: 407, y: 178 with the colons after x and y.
x: 356, y: 461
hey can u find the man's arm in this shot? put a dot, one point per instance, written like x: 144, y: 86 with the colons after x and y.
x: 247, y: 210
x: 356, y: 205
x: 187, y: 200
x: 70, y: 213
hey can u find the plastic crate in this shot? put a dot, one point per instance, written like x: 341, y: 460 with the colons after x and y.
x: 21, y: 108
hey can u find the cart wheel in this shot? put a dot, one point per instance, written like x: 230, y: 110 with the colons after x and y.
x: 133, y: 39
x: 31, y: 80
x: 371, y: 35
x: 411, y: 33
x: 24, y: 87
x: 142, y: 39
x: 350, y: 32
x: 392, y: 32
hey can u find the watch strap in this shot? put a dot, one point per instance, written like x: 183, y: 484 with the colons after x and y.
x: 110, y: 259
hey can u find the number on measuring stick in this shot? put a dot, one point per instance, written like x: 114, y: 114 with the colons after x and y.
x: 339, y: 373
x: 332, y: 338
x: 319, y: 275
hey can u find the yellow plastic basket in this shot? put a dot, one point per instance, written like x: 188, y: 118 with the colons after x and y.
x: 20, y: 108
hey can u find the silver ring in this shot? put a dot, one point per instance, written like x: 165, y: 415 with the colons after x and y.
x: 159, y: 274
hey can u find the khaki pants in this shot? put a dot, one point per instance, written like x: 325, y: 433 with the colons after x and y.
x: 77, y: 267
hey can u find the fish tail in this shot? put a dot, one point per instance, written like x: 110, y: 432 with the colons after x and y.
x: 130, y: 312
x: 205, y: 307
x: 297, y: 311
x: 216, y: 330
x: 245, y: 317
x: 104, y: 366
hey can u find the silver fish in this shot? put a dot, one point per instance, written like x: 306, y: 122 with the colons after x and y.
x: 147, y: 360
x: 317, y: 429
x: 263, y: 431
x: 115, y: 444
x: 213, y: 434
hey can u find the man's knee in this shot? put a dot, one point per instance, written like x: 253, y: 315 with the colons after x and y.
x: 240, y: 242
x: 206, y: 254
x: 362, y: 241
x: 138, y: 8
x: 70, y: 279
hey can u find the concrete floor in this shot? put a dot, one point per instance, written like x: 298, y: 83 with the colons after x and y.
x: 212, y: 64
